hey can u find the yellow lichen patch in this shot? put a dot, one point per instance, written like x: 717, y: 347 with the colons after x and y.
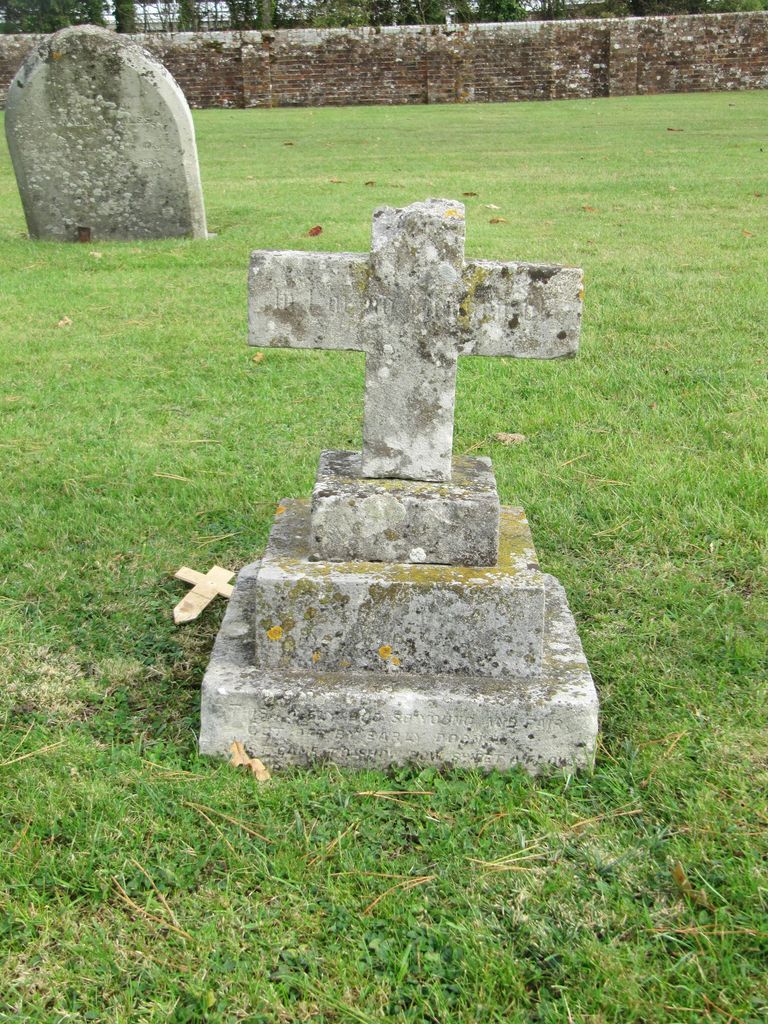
x: 472, y: 283
x: 275, y: 633
x: 363, y: 275
x: 452, y: 212
x: 394, y: 660
x: 280, y: 509
x: 385, y: 652
x: 316, y: 656
x: 515, y: 548
x: 581, y: 294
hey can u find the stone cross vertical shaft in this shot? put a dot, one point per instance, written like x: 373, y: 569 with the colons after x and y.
x: 413, y: 305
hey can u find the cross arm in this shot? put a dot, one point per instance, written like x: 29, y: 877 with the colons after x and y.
x: 528, y: 310
x: 216, y: 580
x: 306, y: 299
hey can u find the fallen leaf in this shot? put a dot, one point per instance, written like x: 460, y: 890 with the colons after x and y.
x: 469, y: 193
x: 315, y: 231
x: 96, y: 255
x: 747, y: 234
x: 683, y: 883
x: 510, y: 438
x: 498, y: 220
x: 491, y: 206
x: 64, y: 322
x: 288, y: 143
x: 336, y: 181
x: 371, y: 182
x: 258, y: 357
x: 758, y: 195
x: 589, y: 209
x: 675, y: 129
x: 241, y: 759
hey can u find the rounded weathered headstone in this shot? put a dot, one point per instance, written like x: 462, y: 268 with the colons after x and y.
x: 102, y: 142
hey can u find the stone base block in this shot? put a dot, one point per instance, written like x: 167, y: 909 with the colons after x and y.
x: 383, y: 520
x: 378, y: 616
x: 387, y: 716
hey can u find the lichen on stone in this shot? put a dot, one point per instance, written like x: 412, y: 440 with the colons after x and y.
x: 362, y: 274
x: 472, y: 281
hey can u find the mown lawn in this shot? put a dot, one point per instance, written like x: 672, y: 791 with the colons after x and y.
x: 139, y: 883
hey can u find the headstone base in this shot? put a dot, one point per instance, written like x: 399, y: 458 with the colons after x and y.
x: 291, y: 714
x: 322, y: 616
x: 388, y: 520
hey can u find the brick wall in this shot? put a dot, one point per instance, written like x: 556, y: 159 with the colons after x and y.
x: 13, y: 50
x: 458, y: 63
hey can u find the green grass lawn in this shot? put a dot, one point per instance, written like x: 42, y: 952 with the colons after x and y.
x: 139, y: 883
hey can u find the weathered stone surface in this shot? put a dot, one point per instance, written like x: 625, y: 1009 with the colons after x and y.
x: 331, y: 616
x: 413, y: 306
x: 307, y: 299
x: 385, y: 717
x: 412, y: 324
x: 454, y: 523
x: 102, y: 142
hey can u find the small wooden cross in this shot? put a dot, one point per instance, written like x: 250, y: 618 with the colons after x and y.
x: 206, y: 587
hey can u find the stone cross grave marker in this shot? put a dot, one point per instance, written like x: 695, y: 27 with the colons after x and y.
x: 413, y: 305
x: 401, y: 615
x: 102, y: 142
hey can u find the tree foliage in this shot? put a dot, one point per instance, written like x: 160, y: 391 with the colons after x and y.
x: 125, y: 15
x: 49, y: 15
